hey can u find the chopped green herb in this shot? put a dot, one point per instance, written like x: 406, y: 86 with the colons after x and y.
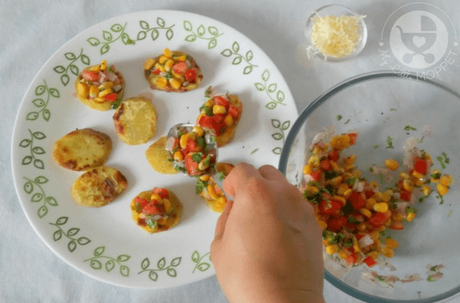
x: 208, y: 92
x: 394, y: 206
x: 254, y: 151
x: 389, y: 142
x: 138, y: 207
x: 168, y: 75
x: 207, y: 161
x: 441, y: 198
x: 350, y: 181
x: 393, y: 109
x: 409, y: 128
x: 436, y: 176
x: 348, y: 243
x: 410, y: 210
x: 152, y: 224
x: 376, y: 146
x: 446, y: 159
x: 179, y: 133
x: 329, y: 174
x: 221, y: 176
x: 179, y: 168
x: 207, y: 110
x: 200, y: 185
x: 339, y: 117
x: 116, y: 104
x: 170, y: 160
x: 111, y: 70
x: 197, y: 157
x: 450, y: 213
x: 441, y: 161
x: 315, y: 198
x: 353, y: 220
x: 200, y: 141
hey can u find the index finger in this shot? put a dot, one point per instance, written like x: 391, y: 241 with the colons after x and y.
x: 238, y: 176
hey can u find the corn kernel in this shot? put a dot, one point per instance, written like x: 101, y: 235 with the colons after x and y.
x: 349, y: 167
x: 391, y: 164
x: 343, y: 254
x: 391, y: 243
x: 167, y: 205
x: 442, y: 190
x: 99, y: 99
x: 381, y: 207
x: 404, y: 175
x: 373, y: 185
x: 155, y: 197
x: 203, y: 164
x: 322, y: 224
x: 178, y: 156
x: 183, y: 140
x: 434, y: 173
x: 95, y: 68
x: 373, y: 254
x: 106, y: 85
x: 204, y: 178
x: 417, y: 174
x: 105, y: 92
x: 198, y: 130
x: 357, y: 173
x: 418, y: 182
x: 375, y: 235
x: 340, y: 142
x: 408, y: 185
x: 174, y: 83
x: 397, y: 217
x: 325, y: 242
x: 341, y: 189
x: 426, y: 190
x: 169, y: 64
x: 341, y: 199
x: 218, y: 109
x: 181, y: 58
x: 386, y: 196
x: 103, y: 65
x: 148, y: 64
x: 362, y: 227
x: 370, y: 203
x: 447, y: 180
x: 316, y: 150
x: 313, y: 161
x: 212, y: 191
x: 93, y: 91
x: 161, y: 82
x: 356, y: 245
x: 313, y: 189
x: 389, y: 253
x: 307, y: 169
x: 347, y: 193
x: 167, y: 52
x: 388, y: 222
x: 162, y: 221
x: 350, y: 160
x: 332, y: 249
x: 365, y: 212
x: 410, y: 217
x: 83, y: 89
x: 336, y: 181
x: 160, y: 67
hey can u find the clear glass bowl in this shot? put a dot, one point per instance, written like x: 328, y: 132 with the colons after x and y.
x: 336, y: 10
x: 379, y: 105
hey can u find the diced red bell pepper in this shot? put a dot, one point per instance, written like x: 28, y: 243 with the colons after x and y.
x: 151, y: 209
x: 351, y: 259
x: 190, y: 147
x: 405, y: 195
x: 357, y: 200
x: 420, y: 166
x: 370, y: 261
x: 377, y: 219
x: 191, y: 166
x: 326, y: 165
x: 141, y: 201
x: 369, y: 193
x: 221, y: 101
x: 179, y: 68
x: 329, y: 207
x: 337, y: 224
x: 397, y: 225
x: 90, y: 76
x: 190, y: 75
x: 209, y: 123
x: 163, y: 193
x: 316, y: 175
x: 155, y: 71
x: 353, y: 138
x: 111, y: 97
x: 334, y: 155
x: 233, y: 111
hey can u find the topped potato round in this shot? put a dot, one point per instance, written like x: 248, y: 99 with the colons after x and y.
x: 173, y: 71
x: 100, y: 86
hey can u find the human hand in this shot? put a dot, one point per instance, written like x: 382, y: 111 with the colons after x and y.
x: 267, y: 245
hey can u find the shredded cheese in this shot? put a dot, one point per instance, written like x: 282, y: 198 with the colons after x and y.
x: 335, y: 36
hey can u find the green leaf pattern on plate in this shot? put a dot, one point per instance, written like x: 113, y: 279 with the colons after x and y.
x: 39, y: 196
x: 34, y: 187
x: 282, y: 127
x: 161, y: 266
x: 155, y: 30
x: 60, y: 69
x: 108, y: 38
x: 33, y: 150
x: 41, y: 104
x: 276, y: 97
x: 197, y: 259
x: 201, y: 33
x: 70, y: 234
x: 109, y: 263
x: 238, y: 58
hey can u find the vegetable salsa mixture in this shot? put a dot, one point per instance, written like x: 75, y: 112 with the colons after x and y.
x: 354, y: 212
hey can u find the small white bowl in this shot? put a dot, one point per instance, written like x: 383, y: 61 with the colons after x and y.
x: 336, y: 10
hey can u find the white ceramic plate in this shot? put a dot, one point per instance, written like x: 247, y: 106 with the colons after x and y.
x: 105, y: 243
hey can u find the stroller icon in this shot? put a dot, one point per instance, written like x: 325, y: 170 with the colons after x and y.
x: 419, y: 42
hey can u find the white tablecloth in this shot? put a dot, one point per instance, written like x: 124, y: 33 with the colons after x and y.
x: 31, y: 31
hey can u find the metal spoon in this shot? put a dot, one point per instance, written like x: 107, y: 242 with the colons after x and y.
x: 210, y: 147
